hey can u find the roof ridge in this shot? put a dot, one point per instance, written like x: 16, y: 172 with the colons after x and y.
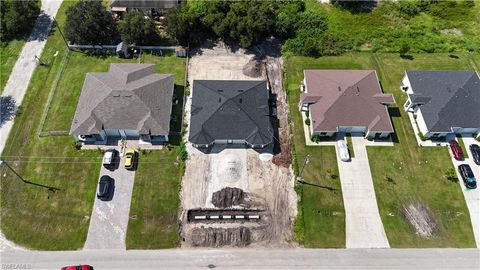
x: 212, y: 90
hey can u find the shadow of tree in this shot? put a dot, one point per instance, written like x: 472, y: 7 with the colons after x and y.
x: 8, y: 109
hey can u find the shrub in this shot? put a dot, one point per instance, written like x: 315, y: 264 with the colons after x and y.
x: 315, y: 138
x: 307, y: 114
x: 307, y: 121
x: 420, y: 135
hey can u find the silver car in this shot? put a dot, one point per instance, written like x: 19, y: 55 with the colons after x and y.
x: 343, y: 150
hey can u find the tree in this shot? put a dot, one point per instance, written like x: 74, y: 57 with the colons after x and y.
x: 17, y: 17
x: 88, y: 22
x: 138, y: 28
x: 287, y: 17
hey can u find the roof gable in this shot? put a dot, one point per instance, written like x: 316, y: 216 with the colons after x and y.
x: 128, y: 96
x: 230, y: 110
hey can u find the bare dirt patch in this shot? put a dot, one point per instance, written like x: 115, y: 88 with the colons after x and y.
x: 237, y: 178
x: 421, y: 219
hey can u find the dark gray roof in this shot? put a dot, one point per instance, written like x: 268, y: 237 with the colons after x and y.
x: 144, y: 4
x: 455, y: 98
x: 128, y: 96
x: 235, y: 110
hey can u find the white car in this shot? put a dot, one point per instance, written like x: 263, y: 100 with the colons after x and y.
x: 343, y: 150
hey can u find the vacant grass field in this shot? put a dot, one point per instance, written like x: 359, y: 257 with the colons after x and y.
x: 31, y: 215
x: 38, y: 218
x: 9, y: 53
x: 445, y: 26
x: 417, y: 173
x: 321, y: 218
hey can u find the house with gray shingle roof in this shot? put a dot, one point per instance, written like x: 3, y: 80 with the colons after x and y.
x: 230, y: 112
x: 444, y: 101
x: 129, y: 101
x: 347, y: 101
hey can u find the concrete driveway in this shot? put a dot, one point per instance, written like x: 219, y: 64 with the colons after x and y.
x: 364, y: 228
x: 472, y: 196
x: 109, y: 220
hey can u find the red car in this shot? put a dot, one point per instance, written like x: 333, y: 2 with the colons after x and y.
x: 78, y: 267
x: 456, y: 150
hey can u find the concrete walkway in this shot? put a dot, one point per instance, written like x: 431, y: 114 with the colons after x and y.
x: 364, y: 228
x: 19, y: 79
x: 472, y: 196
x: 109, y: 219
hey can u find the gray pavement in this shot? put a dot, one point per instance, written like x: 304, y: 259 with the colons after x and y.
x: 250, y: 259
x: 22, y: 71
x: 364, y: 228
x: 472, y: 196
x: 109, y: 219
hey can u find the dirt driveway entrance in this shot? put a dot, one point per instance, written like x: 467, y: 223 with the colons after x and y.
x: 226, y: 179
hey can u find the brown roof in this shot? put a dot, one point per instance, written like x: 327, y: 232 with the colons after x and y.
x: 346, y: 98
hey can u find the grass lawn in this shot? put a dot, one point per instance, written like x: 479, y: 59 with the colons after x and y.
x: 418, y: 173
x: 9, y: 53
x: 31, y: 215
x: 155, y: 200
x: 40, y: 219
x: 321, y: 218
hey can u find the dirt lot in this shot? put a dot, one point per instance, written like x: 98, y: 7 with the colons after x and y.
x: 237, y: 178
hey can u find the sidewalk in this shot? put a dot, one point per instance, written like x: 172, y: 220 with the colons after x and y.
x: 19, y: 79
x: 17, y: 83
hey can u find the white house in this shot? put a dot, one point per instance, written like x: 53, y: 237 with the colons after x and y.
x: 444, y: 102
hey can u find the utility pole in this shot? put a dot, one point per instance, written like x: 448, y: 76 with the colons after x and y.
x: 306, y: 160
x: 53, y: 189
x: 61, y: 33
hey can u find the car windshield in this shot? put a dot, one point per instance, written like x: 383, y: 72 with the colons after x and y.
x: 469, y: 172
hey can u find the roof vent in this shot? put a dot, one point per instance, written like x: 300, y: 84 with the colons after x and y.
x: 240, y: 100
x: 219, y: 100
x: 339, y: 89
x: 116, y: 95
x: 240, y: 91
x: 358, y: 89
x: 219, y: 90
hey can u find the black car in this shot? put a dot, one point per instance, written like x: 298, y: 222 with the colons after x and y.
x: 104, y: 187
x: 475, y: 149
x: 467, y: 176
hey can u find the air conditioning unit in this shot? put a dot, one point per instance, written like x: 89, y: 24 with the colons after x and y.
x: 403, y: 88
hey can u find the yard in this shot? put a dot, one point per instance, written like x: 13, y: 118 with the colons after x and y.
x: 402, y: 174
x: 321, y: 218
x: 37, y: 218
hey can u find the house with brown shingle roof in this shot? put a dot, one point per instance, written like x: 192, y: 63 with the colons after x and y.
x: 348, y: 101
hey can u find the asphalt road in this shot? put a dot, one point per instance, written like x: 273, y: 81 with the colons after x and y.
x: 249, y: 259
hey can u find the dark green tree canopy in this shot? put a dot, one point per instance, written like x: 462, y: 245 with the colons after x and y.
x: 17, y: 17
x: 89, y: 23
x: 137, y: 28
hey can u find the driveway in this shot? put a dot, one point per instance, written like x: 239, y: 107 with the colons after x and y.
x: 471, y: 195
x: 109, y: 220
x: 364, y: 228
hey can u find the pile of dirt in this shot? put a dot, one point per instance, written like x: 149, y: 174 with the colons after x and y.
x: 421, y: 219
x: 253, y: 69
x: 228, y: 197
x: 220, y: 237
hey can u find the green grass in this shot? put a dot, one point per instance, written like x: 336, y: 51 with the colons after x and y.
x: 40, y: 219
x: 350, y: 146
x: 417, y: 174
x: 385, y: 28
x: 462, y: 144
x: 321, y: 217
x: 9, y: 53
x: 33, y: 216
x: 67, y: 93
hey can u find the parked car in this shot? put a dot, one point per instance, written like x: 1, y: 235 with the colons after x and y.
x: 130, y: 159
x: 104, y: 187
x: 456, y: 150
x: 467, y: 176
x: 109, y: 158
x: 343, y: 150
x: 78, y: 267
x: 475, y: 150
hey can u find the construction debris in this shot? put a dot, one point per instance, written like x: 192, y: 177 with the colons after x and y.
x: 228, y: 197
x: 421, y: 219
x: 221, y: 237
